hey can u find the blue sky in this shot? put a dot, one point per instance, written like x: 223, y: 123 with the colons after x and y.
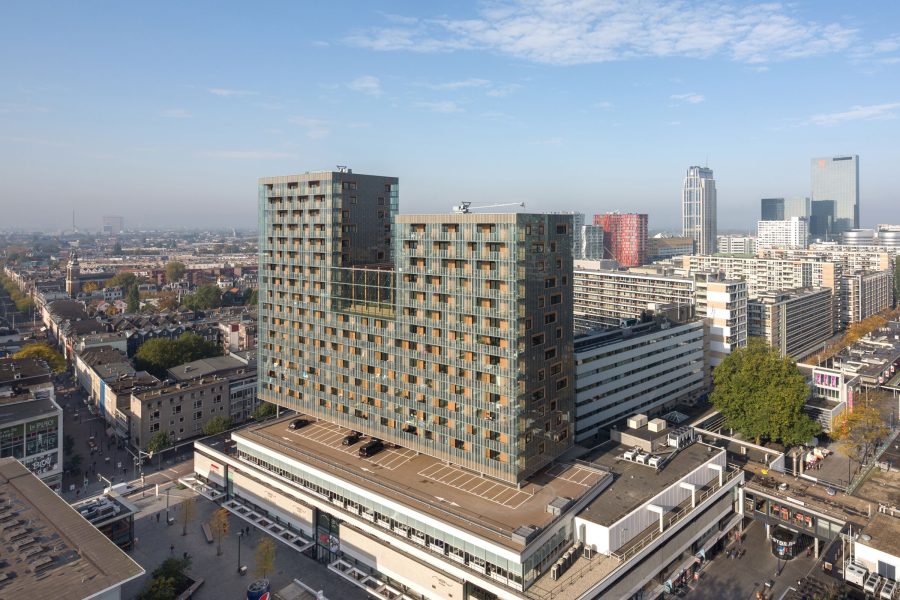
x: 167, y: 112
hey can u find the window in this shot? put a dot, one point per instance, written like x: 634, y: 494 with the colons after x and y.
x: 537, y: 340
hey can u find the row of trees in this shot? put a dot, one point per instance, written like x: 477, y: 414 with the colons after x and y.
x: 854, y: 333
x: 159, y: 355
x: 23, y: 302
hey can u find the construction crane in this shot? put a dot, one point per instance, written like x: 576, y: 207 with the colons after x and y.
x: 466, y: 207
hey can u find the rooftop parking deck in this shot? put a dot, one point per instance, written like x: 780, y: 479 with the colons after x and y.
x: 486, y: 507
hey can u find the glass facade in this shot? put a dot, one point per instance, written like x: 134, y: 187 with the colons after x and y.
x: 698, y: 204
x: 417, y: 329
x: 836, y: 179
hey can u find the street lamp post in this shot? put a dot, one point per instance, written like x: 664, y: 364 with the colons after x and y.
x: 167, y: 506
x: 240, y: 536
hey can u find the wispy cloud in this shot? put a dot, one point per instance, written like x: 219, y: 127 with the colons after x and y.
x: 590, y: 31
x: 443, y: 106
x: 604, y: 104
x: 21, y: 107
x: 857, y: 113
x: 175, y: 113
x: 248, y: 154
x: 501, y: 91
x: 228, y: 93
x: 316, y: 129
x: 472, y: 82
x: 691, y: 98
x: 367, y: 84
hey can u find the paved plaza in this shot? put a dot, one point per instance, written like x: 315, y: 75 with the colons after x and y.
x: 741, y: 578
x: 155, y: 543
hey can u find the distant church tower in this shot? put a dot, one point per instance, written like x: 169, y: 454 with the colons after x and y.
x: 73, y: 276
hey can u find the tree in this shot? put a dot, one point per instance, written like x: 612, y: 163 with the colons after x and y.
x: 174, y: 271
x: 123, y: 279
x: 132, y: 296
x: 264, y: 410
x: 44, y: 352
x: 158, y: 588
x: 189, y: 346
x: 188, y: 510
x: 859, y: 432
x: 204, y: 297
x: 159, y: 442
x: 265, y: 557
x: 117, y: 248
x: 219, y: 525
x: 167, y: 580
x: 216, y: 425
x: 252, y: 298
x: 160, y: 354
x: 168, y: 301
x: 90, y: 287
x: 761, y: 394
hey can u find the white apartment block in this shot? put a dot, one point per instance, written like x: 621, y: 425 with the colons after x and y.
x: 850, y: 258
x: 605, y: 298
x: 766, y: 274
x: 791, y: 233
x: 864, y: 294
x: 645, y: 368
x: 736, y: 244
x: 722, y: 303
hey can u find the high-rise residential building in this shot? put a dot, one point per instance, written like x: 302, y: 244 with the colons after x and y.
x: 790, y: 233
x: 794, y: 322
x: 722, y: 303
x: 836, y: 178
x: 781, y: 209
x: 428, y: 350
x: 624, y: 237
x: 698, y: 209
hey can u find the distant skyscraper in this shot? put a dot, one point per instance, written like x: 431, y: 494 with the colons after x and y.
x: 624, y: 237
x: 113, y: 225
x: 590, y: 243
x: 783, y: 209
x: 837, y: 178
x: 821, y: 218
x: 698, y: 209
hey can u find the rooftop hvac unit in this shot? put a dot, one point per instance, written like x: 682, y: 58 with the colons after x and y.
x: 654, y: 461
x: 637, y: 421
x: 657, y: 425
x: 641, y: 458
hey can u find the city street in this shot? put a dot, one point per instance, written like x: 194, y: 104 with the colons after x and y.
x: 114, y: 464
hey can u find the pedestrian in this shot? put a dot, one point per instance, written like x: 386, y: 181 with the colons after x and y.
x: 172, y: 549
x: 157, y: 517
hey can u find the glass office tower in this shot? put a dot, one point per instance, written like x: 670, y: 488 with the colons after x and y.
x: 836, y: 178
x: 698, y: 209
